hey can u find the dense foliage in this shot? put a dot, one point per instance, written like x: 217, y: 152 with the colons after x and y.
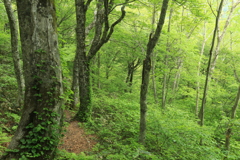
x: 176, y: 87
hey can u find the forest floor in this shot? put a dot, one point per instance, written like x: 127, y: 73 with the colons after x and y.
x: 75, y: 139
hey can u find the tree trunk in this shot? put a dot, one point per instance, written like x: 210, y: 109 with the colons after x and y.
x: 221, y: 35
x: 154, y: 59
x: 198, y: 70
x: 153, y: 39
x: 165, y: 75
x: 208, y: 72
x: 39, y: 128
x: 229, y: 129
x: 131, y: 69
x: 84, y: 112
x: 15, y: 52
x: 176, y: 79
x: 154, y: 79
x: 98, y: 71
x: 75, y: 85
x: 102, y: 34
x: 84, y: 75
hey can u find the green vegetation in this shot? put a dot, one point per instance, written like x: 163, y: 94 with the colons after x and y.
x: 175, y: 92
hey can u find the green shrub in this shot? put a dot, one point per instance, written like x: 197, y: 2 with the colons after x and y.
x: 64, y: 155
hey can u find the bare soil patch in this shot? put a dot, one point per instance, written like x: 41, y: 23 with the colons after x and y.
x: 75, y: 139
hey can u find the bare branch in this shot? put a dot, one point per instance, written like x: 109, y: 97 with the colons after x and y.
x: 210, y: 5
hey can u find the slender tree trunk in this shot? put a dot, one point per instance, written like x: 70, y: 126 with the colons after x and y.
x: 198, y: 69
x: 154, y: 55
x: 154, y: 79
x: 75, y: 85
x: 107, y: 71
x: 15, y: 51
x: 98, y: 70
x: 208, y: 72
x: 229, y: 129
x: 129, y: 78
x: 132, y: 66
x: 102, y: 34
x: 153, y: 39
x: 165, y: 74
x: 221, y: 35
x: 233, y: 114
x: 39, y: 128
x: 176, y: 78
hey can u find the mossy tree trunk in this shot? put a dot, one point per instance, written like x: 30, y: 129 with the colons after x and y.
x: 153, y: 39
x: 75, y: 85
x: 39, y: 128
x: 102, y: 33
x: 15, y: 51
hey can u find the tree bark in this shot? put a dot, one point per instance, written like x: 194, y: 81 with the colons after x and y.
x: 15, y: 51
x: 75, y: 84
x: 221, y: 35
x: 153, y: 39
x: 165, y: 74
x: 103, y: 32
x: 208, y: 72
x: 131, y: 69
x: 198, y: 70
x: 229, y: 129
x: 98, y: 71
x: 82, y: 61
x: 233, y: 114
x: 40, y: 125
x: 154, y: 59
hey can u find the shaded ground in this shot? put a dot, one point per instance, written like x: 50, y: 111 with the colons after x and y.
x: 75, y: 140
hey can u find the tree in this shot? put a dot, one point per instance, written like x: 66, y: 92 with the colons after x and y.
x: 153, y: 39
x: 102, y: 33
x: 208, y: 71
x: 15, y: 50
x: 39, y: 128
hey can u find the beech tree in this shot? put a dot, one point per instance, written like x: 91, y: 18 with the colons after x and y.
x: 39, y: 128
x: 103, y: 30
x: 208, y: 71
x: 153, y: 39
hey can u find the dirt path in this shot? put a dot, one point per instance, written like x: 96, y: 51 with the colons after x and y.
x: 75, y: 140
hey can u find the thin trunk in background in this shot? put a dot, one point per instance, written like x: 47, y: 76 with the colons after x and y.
x: 154, y: 55
x: 221, y: 35
x: 229, y: 132
x: 132, y: 66
x: 177, y: 78
x: 208, y: 71
x: 198, y: 69
x: 15, y: 51
x: 165, y: 74
x: 75, y: 85
x: 229, y: 129
x: 153, y: 39
x: 98, y: 70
